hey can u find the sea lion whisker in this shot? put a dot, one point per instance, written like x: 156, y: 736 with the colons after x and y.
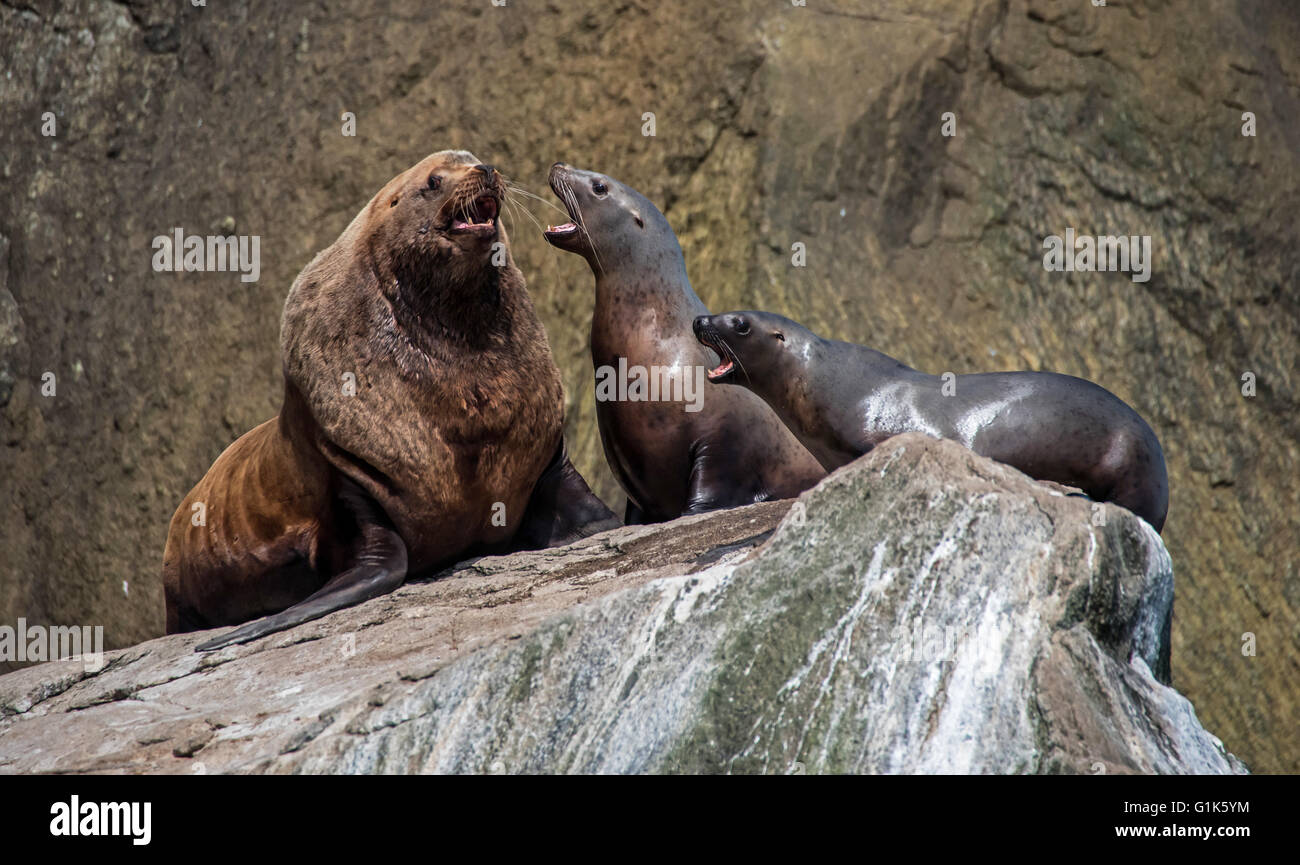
x: 516, y: 209
x: 732, y: 356
x: 571, y: 203
x: 572, y: 200
x: 518, y: 204
x: 574, y: 211
x: 524, y: 198
x: 507, y: 214
x: 528, y: 213
x: 538, y: 198
x: 532, y: 195
x: 711, y: 338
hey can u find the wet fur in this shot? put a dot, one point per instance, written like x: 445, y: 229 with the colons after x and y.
x: 843, y: 399
x: 668, y: 461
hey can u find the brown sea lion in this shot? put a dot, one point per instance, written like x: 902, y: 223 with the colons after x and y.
x: 422, y: 421
x: 671, y: 456
x: 843, y: 399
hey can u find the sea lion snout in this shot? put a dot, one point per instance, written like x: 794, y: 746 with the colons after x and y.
x: 737, y: 324
x: 558, y: 173
x: 475, y: 204
x: 706, y: 332
x: 733, y: 324
x: 567, y: 236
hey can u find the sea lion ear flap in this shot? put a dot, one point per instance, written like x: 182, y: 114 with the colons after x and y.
x: 640, y: 223
x: 778, y: 335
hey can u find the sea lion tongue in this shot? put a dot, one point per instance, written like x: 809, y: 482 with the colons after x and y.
x: 479, y: 215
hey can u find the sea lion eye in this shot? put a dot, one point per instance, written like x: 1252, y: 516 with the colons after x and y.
x: 598, y: 187
x: 742, y: 327
x: 435, y: 181
x: 778, y: 335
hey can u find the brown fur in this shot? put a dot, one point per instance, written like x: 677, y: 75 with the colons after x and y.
x: 458, y: 406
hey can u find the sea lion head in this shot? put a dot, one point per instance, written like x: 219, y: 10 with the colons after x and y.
x: 755, y: 347
x: 438, y: 220
x: 424, y: 265
x: 609, y: 219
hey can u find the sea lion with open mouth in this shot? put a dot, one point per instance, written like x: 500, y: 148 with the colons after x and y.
x: 842, y: 400
x: 422, y: 422
x: 670, y: 459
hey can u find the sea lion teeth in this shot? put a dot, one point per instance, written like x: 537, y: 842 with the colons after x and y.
x: 478, y: 215
x: 718, y: 372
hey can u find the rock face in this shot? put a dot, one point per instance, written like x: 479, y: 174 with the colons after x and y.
x: 921, y: 610
x: 775, y: 125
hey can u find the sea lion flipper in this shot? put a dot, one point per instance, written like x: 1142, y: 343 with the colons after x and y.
x: 380, y: 567
x: 562, y: 509
x: 713, y: 482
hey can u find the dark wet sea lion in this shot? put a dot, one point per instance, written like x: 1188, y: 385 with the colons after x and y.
x: 843, y: 399
x: 421, y: 422
x: 669, y: 460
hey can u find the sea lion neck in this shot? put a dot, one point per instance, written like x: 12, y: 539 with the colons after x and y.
x: 431, y: 302
x: 660, y: 284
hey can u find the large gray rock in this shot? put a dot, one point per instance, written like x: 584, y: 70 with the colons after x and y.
x: 921, y: 610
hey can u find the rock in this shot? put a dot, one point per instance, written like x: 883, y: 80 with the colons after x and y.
x: 923, y: 609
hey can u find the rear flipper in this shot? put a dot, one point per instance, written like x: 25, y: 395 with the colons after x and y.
x: 1136, y: 475
x: 379, y: 568
x: 563, y: 509
x: 1146, y: 495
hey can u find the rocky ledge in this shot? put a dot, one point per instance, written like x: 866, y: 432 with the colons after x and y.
x: 922, y: 610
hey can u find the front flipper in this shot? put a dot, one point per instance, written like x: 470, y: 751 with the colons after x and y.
x: 716, y: 482
x: 379, y: 568
x: 563, y: 509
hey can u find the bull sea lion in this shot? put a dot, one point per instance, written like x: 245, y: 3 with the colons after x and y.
x: 669, y: 459
x: 422, y: 420
x: 842, y: 400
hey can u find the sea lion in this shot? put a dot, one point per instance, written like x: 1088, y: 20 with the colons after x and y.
x: 671, y: 457
x: 842, y: 400
x: 422, y: 421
